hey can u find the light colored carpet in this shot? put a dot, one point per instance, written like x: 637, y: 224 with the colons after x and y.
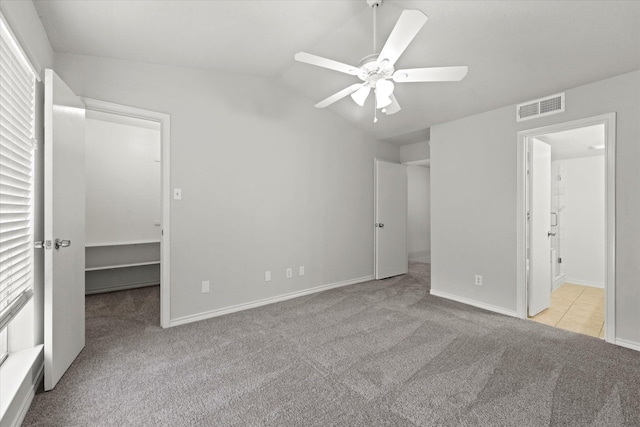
x: 381, y: 353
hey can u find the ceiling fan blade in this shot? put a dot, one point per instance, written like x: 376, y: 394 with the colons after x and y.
x: 410, y: 22
x: 434, y: 74
x: 392, y: 108
x: 339, y: 95
x: 326, y: 63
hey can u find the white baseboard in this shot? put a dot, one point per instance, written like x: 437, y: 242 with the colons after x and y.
x: 559, y: 281
x: 259, y: 303
x: 628, y: 344
x: 584, y: 283
x: 474, y: 303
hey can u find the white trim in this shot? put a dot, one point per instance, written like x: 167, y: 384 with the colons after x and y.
x: 609, y: 121
x: 484, y: 306
x: 18, y: 385
x: 628, y: 344
x: 165, y: 135
x: 584, y: 283
x: 26, y: 403
x: 266, y: 301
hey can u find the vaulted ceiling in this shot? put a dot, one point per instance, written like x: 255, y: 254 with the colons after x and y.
x: 515, y: 50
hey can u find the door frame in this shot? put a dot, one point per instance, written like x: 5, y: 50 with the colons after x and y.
x: 165, y: 172
x: 609, y: 122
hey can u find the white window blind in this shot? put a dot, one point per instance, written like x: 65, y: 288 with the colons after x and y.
x: 17, y: 98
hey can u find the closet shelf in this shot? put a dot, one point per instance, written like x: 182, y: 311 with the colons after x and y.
x: 112, y: 267
x: 134, y: 242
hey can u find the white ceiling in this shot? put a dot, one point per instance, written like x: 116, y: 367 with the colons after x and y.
x: 575, y: 143
x: 515, y: 50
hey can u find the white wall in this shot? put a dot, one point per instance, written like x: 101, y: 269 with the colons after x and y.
x: 473, y: 198
x: 584, y: 257
x: 419, y: 214
x: 416, y: 151
x: 268, y: 181
x: 123, y: 182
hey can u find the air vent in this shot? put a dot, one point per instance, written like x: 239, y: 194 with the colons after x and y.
x: 540, y: 107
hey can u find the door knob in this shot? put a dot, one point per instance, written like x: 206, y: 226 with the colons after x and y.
x: 551, y: 233
x: 380, y: 225
x: 61, y: 243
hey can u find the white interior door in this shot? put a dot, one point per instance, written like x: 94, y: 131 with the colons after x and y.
x: 390, y: 219
x: 539, y: 287
x: 64, y: 217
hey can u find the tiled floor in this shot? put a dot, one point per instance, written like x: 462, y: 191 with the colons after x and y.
x: 575, y: 308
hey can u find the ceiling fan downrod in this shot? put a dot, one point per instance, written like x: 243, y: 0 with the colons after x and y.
x: 374, y: 5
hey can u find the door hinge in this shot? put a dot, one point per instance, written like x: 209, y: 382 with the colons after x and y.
x: 528, y: 216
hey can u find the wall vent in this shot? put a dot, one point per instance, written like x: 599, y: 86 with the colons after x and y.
x: 540, y: 107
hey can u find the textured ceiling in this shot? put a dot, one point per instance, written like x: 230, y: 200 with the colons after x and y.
x: 515, y: 50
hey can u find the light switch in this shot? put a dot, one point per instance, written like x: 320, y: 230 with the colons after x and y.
x: 177, y: 194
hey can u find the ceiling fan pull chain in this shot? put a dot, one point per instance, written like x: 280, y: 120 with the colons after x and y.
x: 375, y: 109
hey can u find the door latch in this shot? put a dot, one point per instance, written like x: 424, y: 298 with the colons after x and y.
x: 42, y: 244
x: 62, y: 243
x: 379, y: 224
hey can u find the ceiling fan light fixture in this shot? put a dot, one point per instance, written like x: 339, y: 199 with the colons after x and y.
x: 382, y: 102
x: 384, y: 89
x: 360, y: 95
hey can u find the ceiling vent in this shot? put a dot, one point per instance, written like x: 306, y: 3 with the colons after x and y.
x: 540, y: 107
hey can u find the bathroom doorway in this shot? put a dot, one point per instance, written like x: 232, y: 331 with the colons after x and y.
x: 567, y: 206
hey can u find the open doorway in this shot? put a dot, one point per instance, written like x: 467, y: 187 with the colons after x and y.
x: 419, y: 211
x: 123, y: 214
x: 127, y: 215
x: 566, y: 218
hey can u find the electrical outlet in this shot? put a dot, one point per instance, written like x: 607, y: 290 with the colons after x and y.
x: 478, y: 280
x: 267, y: 276
x: 206, y: 286
x: 301, y: 270
x: 289, y: 273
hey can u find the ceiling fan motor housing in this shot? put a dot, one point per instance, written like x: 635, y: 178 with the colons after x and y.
x: 370, y: 71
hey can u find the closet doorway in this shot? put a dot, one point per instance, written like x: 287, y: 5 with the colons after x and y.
x: 126, y: 217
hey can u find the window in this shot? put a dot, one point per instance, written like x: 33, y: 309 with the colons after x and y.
x: 17, y: 99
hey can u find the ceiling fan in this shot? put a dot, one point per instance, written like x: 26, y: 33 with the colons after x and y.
x: 377, y: 70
